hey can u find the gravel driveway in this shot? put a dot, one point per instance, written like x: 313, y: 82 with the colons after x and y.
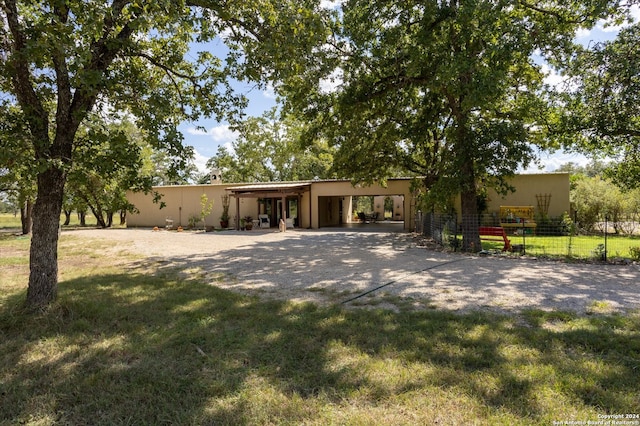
x: 380, y: 269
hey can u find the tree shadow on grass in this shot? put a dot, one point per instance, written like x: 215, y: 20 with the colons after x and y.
x: 143, y: 348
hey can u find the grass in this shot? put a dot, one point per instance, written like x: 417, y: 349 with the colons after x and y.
x: 128, y: 343
x: 581, y: 246
x: 9, y: 221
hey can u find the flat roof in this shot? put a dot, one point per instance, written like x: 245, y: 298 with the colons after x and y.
x: 273, y: 186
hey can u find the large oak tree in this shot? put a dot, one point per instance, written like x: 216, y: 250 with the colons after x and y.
x: 62, y: 60
x: 445, y: 90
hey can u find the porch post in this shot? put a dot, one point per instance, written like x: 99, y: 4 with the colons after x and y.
x: 237, y: 213
x: 284, y: 208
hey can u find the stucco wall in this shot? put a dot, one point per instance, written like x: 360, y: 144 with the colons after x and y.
x: 181, y: 202
x: 184, y: 201
x: 528, y: 186
x: 553, y: 185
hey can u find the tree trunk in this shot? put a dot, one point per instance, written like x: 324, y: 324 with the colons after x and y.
x: 82, y: 216
x: 43, y: 278
x: 123, y: 217
x: 469, y: 206
x: 67, y: 217
x: 470, y: 227
x: 97, y: 213
x: 26, y: 216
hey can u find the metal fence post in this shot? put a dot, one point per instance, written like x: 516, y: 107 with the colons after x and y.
x: 606, y: 226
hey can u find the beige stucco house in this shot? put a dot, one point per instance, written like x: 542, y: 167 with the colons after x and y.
x: 324, y: 203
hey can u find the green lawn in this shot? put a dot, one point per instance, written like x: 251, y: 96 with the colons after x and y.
x: 9, y: 221
x: 129, y: 342
x: 583, y: 247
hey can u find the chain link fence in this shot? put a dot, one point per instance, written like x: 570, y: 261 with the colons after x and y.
x: 560, y: 237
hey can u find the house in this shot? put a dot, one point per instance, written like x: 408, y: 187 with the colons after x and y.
x: 324, y: 203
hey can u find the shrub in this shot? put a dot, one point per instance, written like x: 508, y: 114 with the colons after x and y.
x: 635, y: 252
x: 554, y: 226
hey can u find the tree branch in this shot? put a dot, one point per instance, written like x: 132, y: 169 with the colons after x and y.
x: 550, y: 13
x: 193, y: 79
x: 223, y: 15
x: 171, y: 73
x: 61, y: 14
x: 22, y: 77
x: 104, y: 52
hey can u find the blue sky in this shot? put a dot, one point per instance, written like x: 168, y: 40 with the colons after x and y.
x: 215, y: 133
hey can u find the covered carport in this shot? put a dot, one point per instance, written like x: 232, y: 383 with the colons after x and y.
x: 332, y: 204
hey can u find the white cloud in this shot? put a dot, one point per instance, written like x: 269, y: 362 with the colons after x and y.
x: 223, y: 134
x: 330, y: 84
x: 200, y: 161
x: 584, y: 33
x: 331, y: 4
x: 552, y: 78
x: 551, y: 162
x: 635, y: 13
x: 197, y: 131
x: 269, y: 92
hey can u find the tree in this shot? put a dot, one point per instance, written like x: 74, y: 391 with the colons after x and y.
x: 577, y: 172
x: 443, y: 90
x: 271, y: 148
x: 592, y: 169
x: 113, y: 162
x: 17, y: 177
x: 62, y: 61
x: 161, y: 165
x: 205, y: 209
x: 595, y: 198
x: 601, y: 114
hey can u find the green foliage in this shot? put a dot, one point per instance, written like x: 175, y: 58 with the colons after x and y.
x: 112, y: 163
x: 601, y: 113
x: 363, y: 204
x: 270, y: 148
x: 595, y: 198
x: 442, y: 90
x: 205, y: 209
x: 225, y: 208
x: 562, y: 225
x: 6, y: 206
x: 600, y: 252
x: 64, y: 62
x: 17, y: 171
x: 193, y: 221
x: 635, y: 253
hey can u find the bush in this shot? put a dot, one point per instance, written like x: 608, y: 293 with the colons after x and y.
x: 635, y: 253
x: 554, y: 226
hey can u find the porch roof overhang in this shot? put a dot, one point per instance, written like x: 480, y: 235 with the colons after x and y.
x: 270, y: 190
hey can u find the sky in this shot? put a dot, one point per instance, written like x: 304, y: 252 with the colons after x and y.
x: 215, y: 134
